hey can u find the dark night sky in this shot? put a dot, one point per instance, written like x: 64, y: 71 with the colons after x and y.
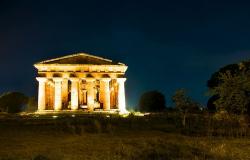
x: 166, y: 44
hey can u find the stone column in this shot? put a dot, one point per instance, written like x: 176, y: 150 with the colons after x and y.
x: 65, y: 93
x: 80, y: 93
x: 101, y: 93
x: 121, y: 95
x: 41, y: 93
x: 52, y: 95
x: 49, y: 93
x: 90, y: 93
x: 84, y: 94
x: 112, y: 97
x: 58, y: 94
x: 106, y: 93
x: 74, y: 93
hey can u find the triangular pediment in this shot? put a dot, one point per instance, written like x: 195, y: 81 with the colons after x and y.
x: 80, y: 58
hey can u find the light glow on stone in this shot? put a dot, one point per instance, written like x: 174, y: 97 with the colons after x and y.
x: 124, y: 111
x: 54, y: 117
x: 55, y: 85
x: 139, y: 114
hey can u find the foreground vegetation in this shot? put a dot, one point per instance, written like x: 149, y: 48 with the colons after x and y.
x: 94, y: 136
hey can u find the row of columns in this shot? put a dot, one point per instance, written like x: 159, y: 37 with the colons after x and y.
x: 104, y: 91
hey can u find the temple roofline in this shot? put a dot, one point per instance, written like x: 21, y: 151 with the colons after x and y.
x: 74, y: 55
x: 80, y: 67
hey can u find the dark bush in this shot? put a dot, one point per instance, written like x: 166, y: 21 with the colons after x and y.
x: 152, y: 101
x: 13, y: 102
x: 210, y: 103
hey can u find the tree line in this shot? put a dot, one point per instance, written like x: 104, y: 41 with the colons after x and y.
x: 228, y: 88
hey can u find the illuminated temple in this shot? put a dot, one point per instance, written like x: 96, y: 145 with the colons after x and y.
x: 81, y: 82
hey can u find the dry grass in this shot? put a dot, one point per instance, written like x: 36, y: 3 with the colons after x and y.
x: 67, y: 141
x: 126, y: 145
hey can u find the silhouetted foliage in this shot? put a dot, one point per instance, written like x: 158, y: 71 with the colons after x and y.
x: 152, y: 101
x: 234, y: 69
x: 233, y: 92
x: 185, y: 104
x: 171, y: 109
x: 13, y: 102
x: 215, y: 81
x: 231, y: 84
x: 211, y: 107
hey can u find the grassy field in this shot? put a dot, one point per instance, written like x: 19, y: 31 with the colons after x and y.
x: 111, y: 137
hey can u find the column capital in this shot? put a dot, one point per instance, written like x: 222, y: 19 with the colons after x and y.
x: 119, y: 80
x: 90, y: 79
x: 74, y: 79
x: 57, y: 79
x: 41, y: 79
x: 105, y: 79
x: 50, y: 82
x: 65, y: 75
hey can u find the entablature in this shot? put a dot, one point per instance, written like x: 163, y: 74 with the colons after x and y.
x: 80, y: 68
x: 80, y: 75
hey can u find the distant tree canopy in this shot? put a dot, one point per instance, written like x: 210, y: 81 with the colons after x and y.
x: 152, y: 101
x: 211, y: 107
x: 231, y: 86
x: 184, y: 103
x: 234, y: 69
x: 13, y: 102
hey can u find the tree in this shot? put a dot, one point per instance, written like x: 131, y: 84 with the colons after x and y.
x: 234, y: 69
x: 233, y: 91
x: 13, y: 102
x: 184, y: 104
x: 211, y: 107
x: 230, y: 84
x: 215, y: 81
x: 152, y: 101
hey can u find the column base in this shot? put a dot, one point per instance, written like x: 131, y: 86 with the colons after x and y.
x: 74, y: 108
x: 123, y: 111
x: 40, y: 110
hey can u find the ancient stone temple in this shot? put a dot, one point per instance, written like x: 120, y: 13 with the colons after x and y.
x: 81, y: 82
